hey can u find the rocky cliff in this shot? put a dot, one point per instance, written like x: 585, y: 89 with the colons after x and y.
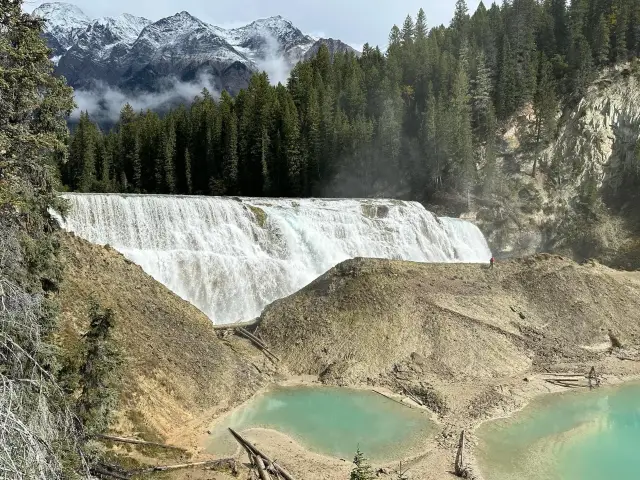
x: 582, y: 200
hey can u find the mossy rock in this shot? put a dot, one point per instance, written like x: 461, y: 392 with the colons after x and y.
x: 375, y: 211
x: 261, y: 216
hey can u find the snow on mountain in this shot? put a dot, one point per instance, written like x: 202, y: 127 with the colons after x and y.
x: 255, y: 35
x: 137, y: 55
x: 183, y: 34
x: 125, y: 28
x: 63, y: 23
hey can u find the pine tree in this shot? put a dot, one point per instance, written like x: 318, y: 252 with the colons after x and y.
x: 312, y: 145
x: 429, y: 174
x: 558, y: 10
x: 421, y: 27
x: 169, y: 158
x: 136, y: 164
x: 362, y: 469
x: 463, y: 137
x: 484, y: 121
x: 621, y: 18
x: 187, y: 171
x: 506, y: 92
x: 601, y: 47
x: 395, y: 40
x: 389, y: 134
x: 460, y: 17
x: 98, y: 379
x: 80, y: 170
x: 580, y: 66
x: 544, y: 107
x: 128, y: 156
x: 229, y: 147
x: 34, y: 103
x: 408, y: 32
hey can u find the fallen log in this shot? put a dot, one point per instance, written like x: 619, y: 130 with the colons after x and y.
x: 564, y: 379
x: 135, y: 441
x: 459, y: 465
x: 565, y: 384
x: 631, y: 359
x: 220, y: 463
x: 103, y: 472
x: 392, y: 399
x: 261, y: 468
x: 259, y: 343
x: 281, y: 471
x: 414, y: 398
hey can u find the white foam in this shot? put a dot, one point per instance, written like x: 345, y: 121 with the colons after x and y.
x: 214, y: 252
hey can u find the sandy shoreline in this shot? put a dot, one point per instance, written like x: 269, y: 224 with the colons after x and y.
x: 434, y: 458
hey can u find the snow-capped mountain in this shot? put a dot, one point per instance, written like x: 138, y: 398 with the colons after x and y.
x: 136, y: 54
x: 64, y: 23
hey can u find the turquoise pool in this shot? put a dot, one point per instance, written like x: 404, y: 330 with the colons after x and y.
x: 330, y: 421
x: 574, y: 436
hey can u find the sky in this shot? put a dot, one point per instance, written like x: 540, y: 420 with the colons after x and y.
x: 352, y: 21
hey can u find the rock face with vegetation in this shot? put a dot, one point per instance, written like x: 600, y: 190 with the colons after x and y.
x: 582, y: 200
x: 174, y: 367
x: 382, y: 322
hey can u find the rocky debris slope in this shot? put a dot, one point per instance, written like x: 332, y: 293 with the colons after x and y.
x: 137, y: 54
x: 383, y: 322
x: 176, y: 369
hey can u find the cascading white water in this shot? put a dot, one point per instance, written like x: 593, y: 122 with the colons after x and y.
x: 231, y: 257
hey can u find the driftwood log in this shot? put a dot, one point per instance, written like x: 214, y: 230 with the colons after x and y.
x: 254, y: 451
x: 261, y: 468
x: 392, y: 399
x: 215, y: 464
x: 135, y: 441
x: 259, y: 343
x: 460, y: 470
x: 105, y: 471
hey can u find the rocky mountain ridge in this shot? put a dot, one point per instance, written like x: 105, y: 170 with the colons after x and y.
x: 137, y: 54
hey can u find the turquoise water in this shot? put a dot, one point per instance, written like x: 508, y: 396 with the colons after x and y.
x: 577, y: 436
x: 331, y: 421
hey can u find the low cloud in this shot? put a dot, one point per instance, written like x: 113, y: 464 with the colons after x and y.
x: 273, y: 61
x: 104, y: 102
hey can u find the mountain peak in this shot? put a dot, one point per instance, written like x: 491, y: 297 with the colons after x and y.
x: 63, y: 23
x: 124, y: 27
x: 47, y: 9
x: 135, y: 53
x: 61, y: 15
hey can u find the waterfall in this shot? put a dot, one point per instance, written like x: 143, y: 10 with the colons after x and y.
x: 231, y: 257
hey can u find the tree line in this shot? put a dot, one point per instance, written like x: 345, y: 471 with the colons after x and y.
x: 417, y: 120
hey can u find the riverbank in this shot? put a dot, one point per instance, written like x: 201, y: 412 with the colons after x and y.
x: 469, y: 342
x: 434, y: 459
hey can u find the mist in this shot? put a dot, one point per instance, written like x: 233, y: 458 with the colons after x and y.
x: 104, y: 102
x: 274, y: 63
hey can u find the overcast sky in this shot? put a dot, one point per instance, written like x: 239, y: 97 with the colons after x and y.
x: 352, y: 21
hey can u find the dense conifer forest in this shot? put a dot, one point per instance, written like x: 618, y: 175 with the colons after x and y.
x: 417, y: 120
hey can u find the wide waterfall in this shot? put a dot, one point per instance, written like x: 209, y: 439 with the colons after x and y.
x: 231, y: 257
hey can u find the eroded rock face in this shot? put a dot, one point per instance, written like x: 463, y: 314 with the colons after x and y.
x: 594, y: 150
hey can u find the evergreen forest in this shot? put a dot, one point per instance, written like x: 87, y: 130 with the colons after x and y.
x: 417, y: 121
